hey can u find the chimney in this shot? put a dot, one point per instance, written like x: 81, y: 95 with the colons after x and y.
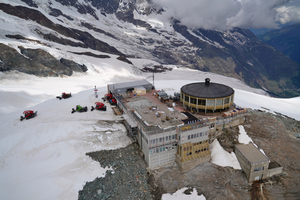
x: 207, y: 81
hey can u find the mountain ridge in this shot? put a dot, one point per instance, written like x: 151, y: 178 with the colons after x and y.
x: 132, y: 29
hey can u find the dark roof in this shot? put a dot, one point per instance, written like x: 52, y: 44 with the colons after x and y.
x: 207, y: 90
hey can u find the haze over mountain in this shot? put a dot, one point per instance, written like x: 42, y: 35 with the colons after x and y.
x: 285, y: 40
x: 157, y: 30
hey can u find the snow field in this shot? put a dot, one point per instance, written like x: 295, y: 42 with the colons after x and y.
x: 44, y: 157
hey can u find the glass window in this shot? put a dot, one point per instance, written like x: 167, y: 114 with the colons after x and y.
x: 193, y: 100
x: 153, y: 150
x: 219, y: 102
x: 189, y: 137
x: 210, y: 102
x: 160, y: 139
x: 150, y: 151
x: 226, y: 100
x: 169, y: 137
x: 160, y: 149
x: 192, y: 136
x: 197, y: 134
x: 166, y: 138
x: 157, y: 150
x: 164, y: 148
x: 156, y: 140
x: 173, y: 136
x: 200, y: 134
x: 186, y: 98
x: 201, y: 102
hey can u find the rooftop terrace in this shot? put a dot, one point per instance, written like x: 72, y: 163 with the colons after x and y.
x: 152, y: 111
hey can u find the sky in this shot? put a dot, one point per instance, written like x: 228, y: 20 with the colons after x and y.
x: 225, y: 14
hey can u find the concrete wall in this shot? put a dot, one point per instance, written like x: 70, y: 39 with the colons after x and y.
x: 188, y: 165
x: 245, y: 164
x: 161, y: 158
x: 274, y: 171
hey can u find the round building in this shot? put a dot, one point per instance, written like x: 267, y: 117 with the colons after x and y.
x: 206, y: 97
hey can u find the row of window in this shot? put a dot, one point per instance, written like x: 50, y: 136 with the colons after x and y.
x: 198, y: 151
x: 208, y: 102
x: 196, y: 135
x: 190, y: 147
x: 160, y: 149
x: 162, y: 139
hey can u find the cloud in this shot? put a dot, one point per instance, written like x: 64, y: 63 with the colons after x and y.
x: 225, y: 14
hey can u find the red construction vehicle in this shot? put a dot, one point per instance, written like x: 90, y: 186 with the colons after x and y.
x: 99, y: 106
x: 28, y: 114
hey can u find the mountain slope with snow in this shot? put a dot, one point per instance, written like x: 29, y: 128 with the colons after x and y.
x: 139, y: 29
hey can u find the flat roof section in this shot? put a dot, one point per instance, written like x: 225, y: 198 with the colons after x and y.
x: 153, y: 112
x: 252, y: 153
x: 132, y: 84
x: 204, y: 90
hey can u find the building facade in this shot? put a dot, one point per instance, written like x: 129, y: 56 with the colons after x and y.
x: 206, y: 97
x: 253, y: 162
x: 164, y: 133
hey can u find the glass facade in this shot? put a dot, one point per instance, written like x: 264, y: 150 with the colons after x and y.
x: 207, y: 105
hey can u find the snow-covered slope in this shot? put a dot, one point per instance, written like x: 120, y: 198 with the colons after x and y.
x: 44, y: 157
x: 139, y: 29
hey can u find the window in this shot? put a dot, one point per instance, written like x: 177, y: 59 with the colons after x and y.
x: 157, y: 150
x: 160, y: 149
x: 173, y: 136
x: 153, y: 150
x: 169, y: 137
x: 193, y: 100
x: 156, y: 140
x: 150, y: 151
x: 160, y: 139
x: 210, y: 103
x: 192, y: 136
x: 166, y: 138
x: 186, y: 98
x: 201, y: 102
x: 201, y: 134
x: 226, y: 100
x: 219, y: 102
x: 189, y: 137
x: 197, y: 134
x: 259, y: 169
x: 164, y: 148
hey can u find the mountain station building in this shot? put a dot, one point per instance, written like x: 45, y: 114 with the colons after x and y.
x: 168, y: 130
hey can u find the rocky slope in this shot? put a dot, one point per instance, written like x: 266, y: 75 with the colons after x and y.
x: 276, y: 134
x: 131, y: 29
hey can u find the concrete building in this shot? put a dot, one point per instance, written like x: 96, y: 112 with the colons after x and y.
x: 206, y: 97
x: 255, y: 164
x: 165, y: 131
